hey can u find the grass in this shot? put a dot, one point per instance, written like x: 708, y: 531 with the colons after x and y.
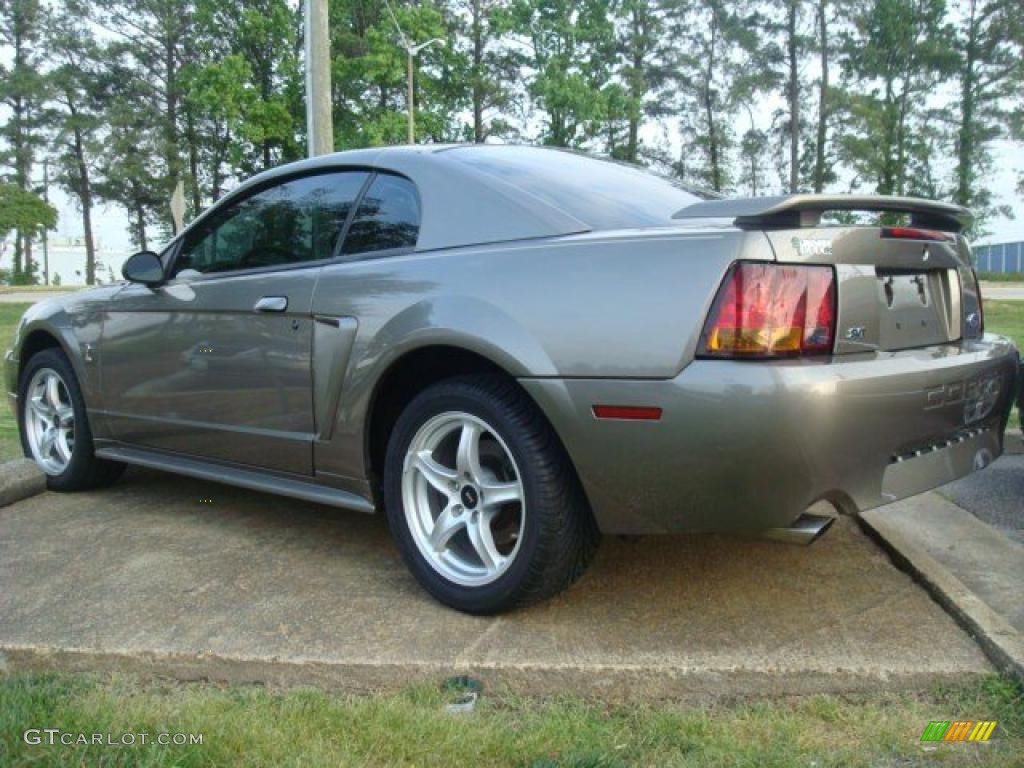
x: 10, y: 444
x: 1006, y: 318
x: 260, y: 727
x: 1001, y: 277
x: 39, y: 288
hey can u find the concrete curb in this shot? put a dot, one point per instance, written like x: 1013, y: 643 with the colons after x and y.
x: 607, y: 683
x: 998, y: 639
x: 20, y: 479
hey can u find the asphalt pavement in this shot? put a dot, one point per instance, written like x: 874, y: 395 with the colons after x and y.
x: 995, y: 495
x: 1002, y: 291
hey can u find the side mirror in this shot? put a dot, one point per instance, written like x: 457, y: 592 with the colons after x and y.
x: 144, y: 267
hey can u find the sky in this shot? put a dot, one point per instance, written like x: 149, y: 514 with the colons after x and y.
x: 111, y: 223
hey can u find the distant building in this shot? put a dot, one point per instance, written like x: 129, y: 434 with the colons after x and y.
x: 999, y: 257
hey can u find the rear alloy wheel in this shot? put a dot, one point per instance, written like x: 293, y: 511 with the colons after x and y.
x: 55, y: 427
x: 464, y: 502
x: 482, y: 499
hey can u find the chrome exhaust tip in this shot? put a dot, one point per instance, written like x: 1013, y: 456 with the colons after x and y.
x: 805, y: 529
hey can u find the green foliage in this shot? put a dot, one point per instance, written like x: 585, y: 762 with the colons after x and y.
x: 571, y: 46
x: 240, y: 89
x: 895, y: 55
x: 127, y: 97
x: 130, y: 169
x: 370, y: 71
x: 23, y: 94
x: 720, y: 64
x: 989, y: 49
x: 24, y: 212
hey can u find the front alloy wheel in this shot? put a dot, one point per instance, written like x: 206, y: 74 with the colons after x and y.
x: 49, y: 421
x: 54, y: 425
x: 481, y: 498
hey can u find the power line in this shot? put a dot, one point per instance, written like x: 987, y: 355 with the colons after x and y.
x: 394, y: 19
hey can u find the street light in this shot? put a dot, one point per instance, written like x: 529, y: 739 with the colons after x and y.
x: 412, y: 51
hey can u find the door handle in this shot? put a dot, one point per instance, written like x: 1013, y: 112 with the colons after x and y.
x: 272, y: 304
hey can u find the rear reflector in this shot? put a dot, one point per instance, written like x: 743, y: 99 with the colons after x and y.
x: 772, y: 310
x: 915, y: 233
x: 980, y: 330
x: 633, y: 412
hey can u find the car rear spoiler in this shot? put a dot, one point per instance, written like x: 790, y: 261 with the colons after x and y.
x: 797, y: 211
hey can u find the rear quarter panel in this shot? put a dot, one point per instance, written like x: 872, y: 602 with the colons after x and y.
x: 604, y: 305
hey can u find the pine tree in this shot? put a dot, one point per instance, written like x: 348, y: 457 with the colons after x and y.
x: 78, y: 95
x: 896, y: 56
x: 493, y: 65
x: 720, y: 64
x: 571, y: 46
x: 23, y: 91
x: 156, y: 36
x: 989, y: 44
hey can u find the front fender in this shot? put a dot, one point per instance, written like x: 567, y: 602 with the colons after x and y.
x: 60, y: 327
x: 75, y: 323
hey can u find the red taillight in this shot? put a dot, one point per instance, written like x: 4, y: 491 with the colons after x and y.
x: 916, y: 233
x: 772, y: 310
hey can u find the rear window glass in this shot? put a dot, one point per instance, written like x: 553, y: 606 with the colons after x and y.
x: 388, y: 217
x: 601, y: 193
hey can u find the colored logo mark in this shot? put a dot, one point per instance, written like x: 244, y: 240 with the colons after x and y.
x: 958, y: 730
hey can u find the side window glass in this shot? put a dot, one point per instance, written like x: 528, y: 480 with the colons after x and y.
x: 289, y: 223
x: 388, y: 217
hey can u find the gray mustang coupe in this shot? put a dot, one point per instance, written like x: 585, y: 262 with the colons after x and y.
x: 513, y: 349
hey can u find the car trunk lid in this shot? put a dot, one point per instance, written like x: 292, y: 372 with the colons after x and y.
x: 898, y: 287
x: 892, y: 293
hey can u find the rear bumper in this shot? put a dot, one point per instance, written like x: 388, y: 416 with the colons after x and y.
x: 744, y: 446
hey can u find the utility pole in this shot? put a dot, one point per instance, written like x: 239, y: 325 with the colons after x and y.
x: 319, y: 127
x: 46, y: 238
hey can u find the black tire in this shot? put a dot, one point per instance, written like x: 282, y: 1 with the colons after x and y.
x: 84, y: 470
x: 559, y: 537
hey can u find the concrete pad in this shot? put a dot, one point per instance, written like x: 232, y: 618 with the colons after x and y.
x: 20, y: 479
x: 168, y: 576
x: 972, y: 568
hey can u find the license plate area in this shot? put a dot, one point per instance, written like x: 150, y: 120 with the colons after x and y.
x: 915, y: 308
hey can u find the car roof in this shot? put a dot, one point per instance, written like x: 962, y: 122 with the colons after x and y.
x: 459, y: 206
x: 461, y: 203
